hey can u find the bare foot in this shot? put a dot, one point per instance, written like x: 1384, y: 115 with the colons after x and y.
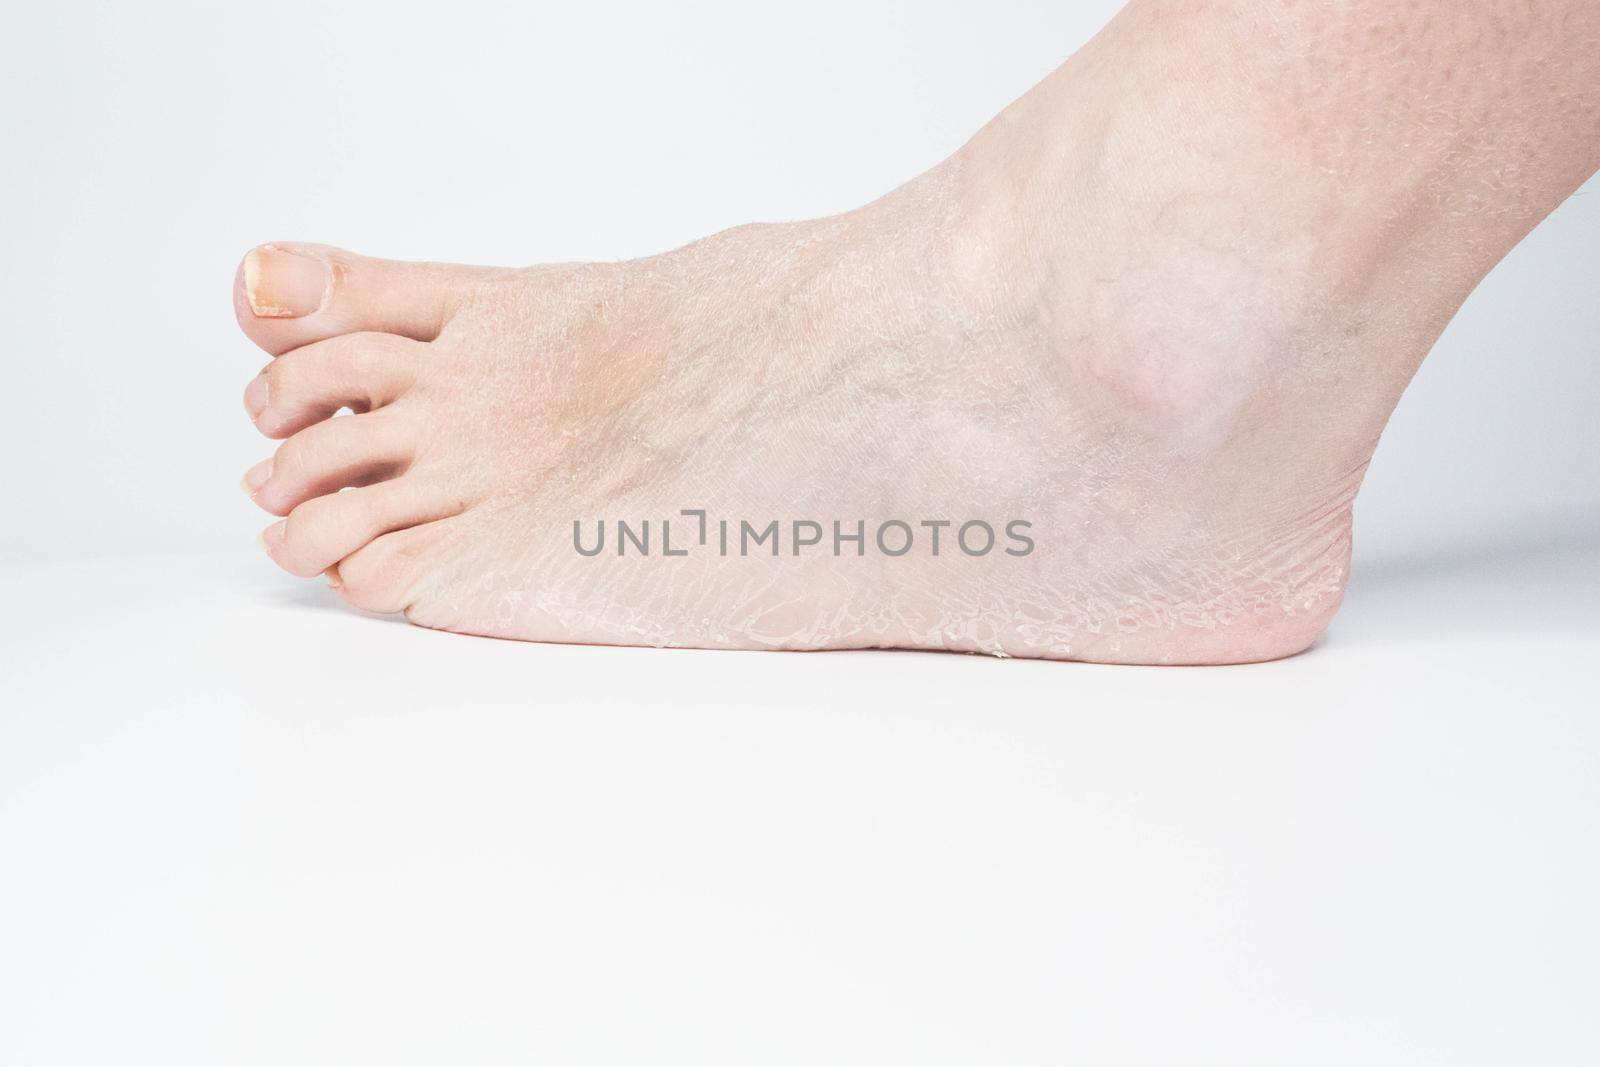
x: 1109, y: 380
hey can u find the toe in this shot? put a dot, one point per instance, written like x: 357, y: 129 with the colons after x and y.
x: 360, y: 371
x: 324, y: 530
x: 351, y: 450
x: 383, y: 575
x: 287, y: 295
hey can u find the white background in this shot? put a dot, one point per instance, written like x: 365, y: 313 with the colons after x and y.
x: 241, y: 825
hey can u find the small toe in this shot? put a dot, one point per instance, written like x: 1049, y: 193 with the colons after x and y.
x: 289, y: 294
x: 360, y: 371
x: 351, y: 450
x: 324, y: 530
x: 383, y: 575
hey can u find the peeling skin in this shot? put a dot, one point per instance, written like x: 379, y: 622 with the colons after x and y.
x: 847, y: 377
x: 1161, y: 309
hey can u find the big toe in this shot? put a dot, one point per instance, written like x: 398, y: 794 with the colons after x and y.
x: 289, y: 294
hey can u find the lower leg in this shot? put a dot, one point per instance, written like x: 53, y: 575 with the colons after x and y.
x: 1382, y: 157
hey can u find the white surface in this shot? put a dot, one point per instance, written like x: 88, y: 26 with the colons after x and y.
x: 146, y: 146
x: 240, y: 824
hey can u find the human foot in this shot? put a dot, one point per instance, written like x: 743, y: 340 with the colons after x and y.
x: 1156, y: 378
x: 839, y: 371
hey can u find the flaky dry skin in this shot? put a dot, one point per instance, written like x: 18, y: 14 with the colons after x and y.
x: 1155, y: 310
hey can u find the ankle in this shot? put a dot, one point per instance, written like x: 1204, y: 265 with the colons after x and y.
x: 1180, y: 239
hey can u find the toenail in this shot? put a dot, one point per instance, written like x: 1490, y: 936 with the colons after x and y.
x: 332, y: 574
x: 271, y: 538
x: 281, y: 284
x: 255, y: 396
x: 256, y: 477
